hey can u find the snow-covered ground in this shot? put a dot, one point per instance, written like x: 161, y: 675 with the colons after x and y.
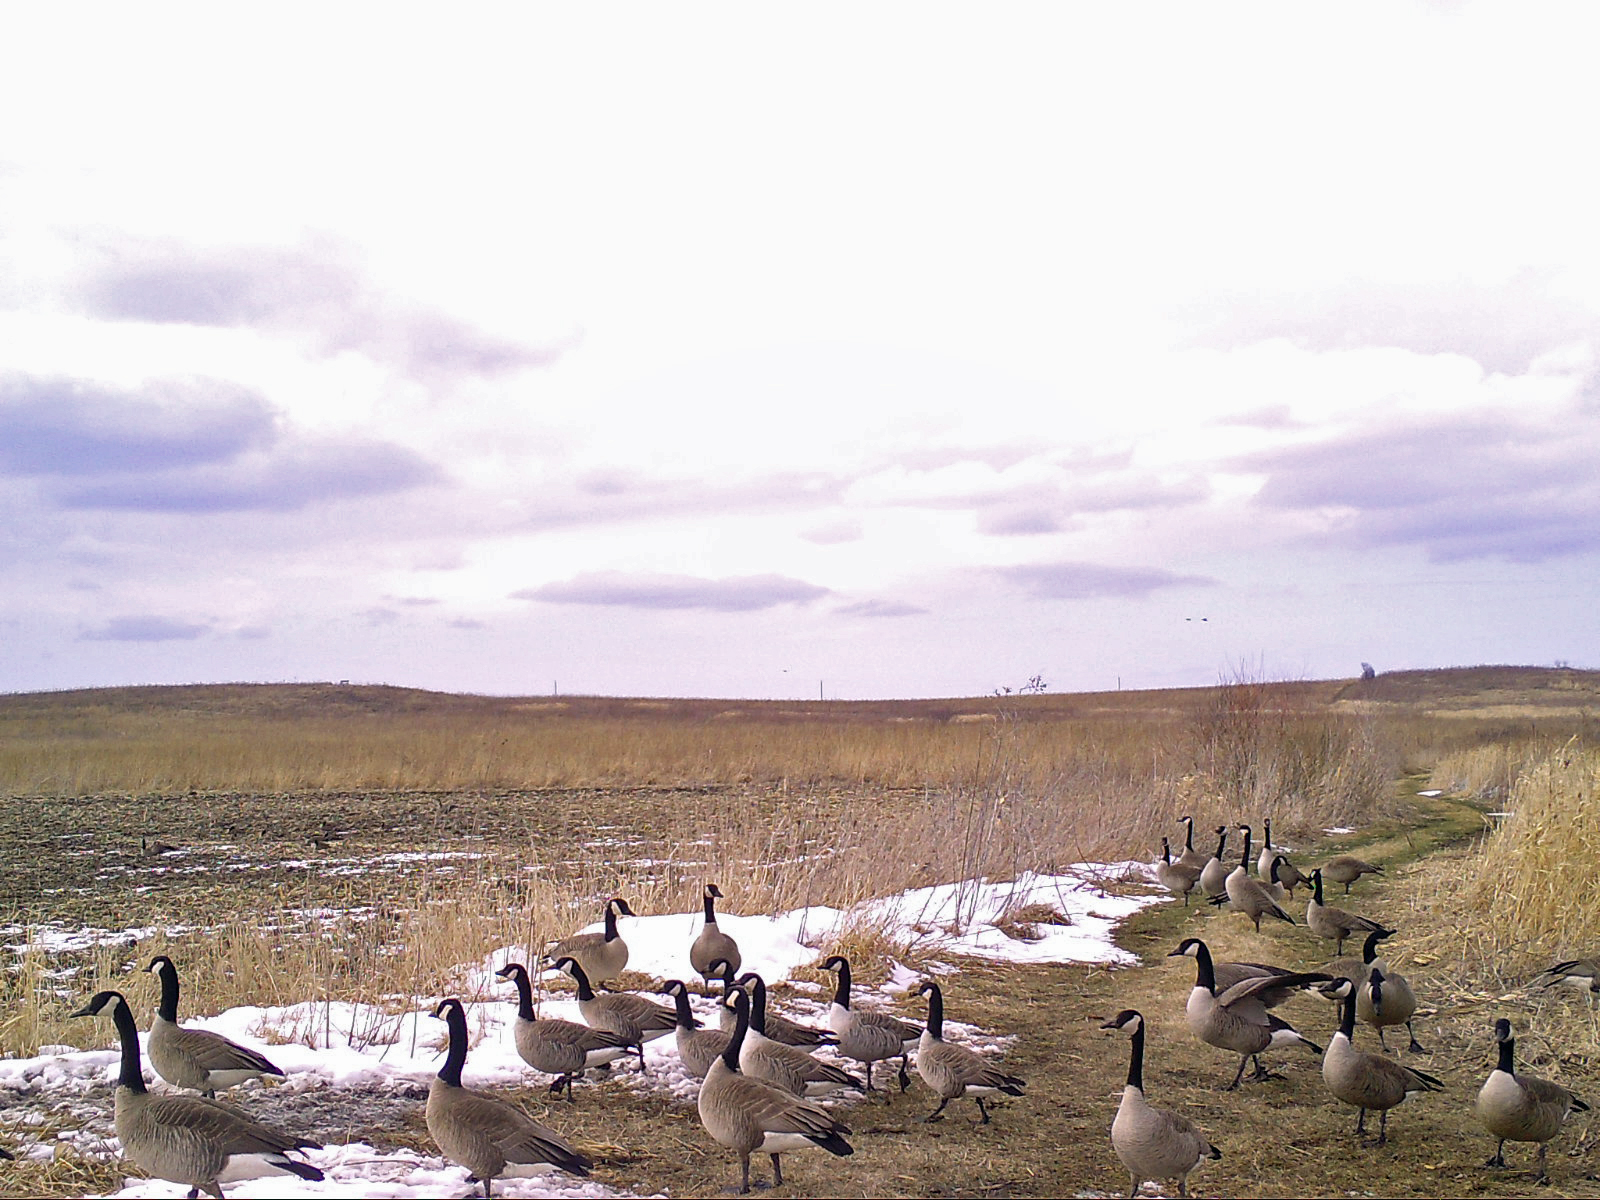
x: 395, y: 1051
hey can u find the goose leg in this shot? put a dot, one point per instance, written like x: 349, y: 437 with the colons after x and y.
x: 982, y: 1110
x: 1541, y: 1177
x: 905, y: 1076
x: 1499, y: 1159
x: 777, y: 1172
x: 934, y: 1115
x: 1133, y: 1185
x: 1416, y: 1047
x: 1361, y: 1123
x: 1239, y: 1074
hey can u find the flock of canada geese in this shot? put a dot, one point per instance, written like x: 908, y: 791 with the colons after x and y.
x: 1230, y: 1005
x: 759, y: 1078
x: 758, y: 1075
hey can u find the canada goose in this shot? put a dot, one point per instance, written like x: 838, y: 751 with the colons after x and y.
x: 712, y: 944
x: 555, y: 1047
x: 1289, y: 875
x: 602, y: 955
x: 868, y: 1037
x: 1174, y: 876
x: 787, y: 1067
x: 1359, y: 970
x: 484, y: 1133
x: 635, y: 1019
x: 1247, y: 895
x: 1335, y: 923
x: 697, y: 1048
x: 779, y: 1028
x: 1346, y: 869
x: 953, y: 1071
x: 185, y: 1139
x: 749, y: 1116
x: 1237, y: 1019
x: 157, y: 849
x: 196, y: 1058
x: 1386, y: 999
x: 1521, y: 1108
x: 1580, y: 974
x: 1369, y: 1081
x: 1152, y: 1142
x: 1190, y: 856
x: 1214, y: 875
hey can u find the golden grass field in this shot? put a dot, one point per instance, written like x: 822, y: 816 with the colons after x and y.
x: 533, y: 807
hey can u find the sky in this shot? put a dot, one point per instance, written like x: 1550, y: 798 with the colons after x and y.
x: 855, y: 351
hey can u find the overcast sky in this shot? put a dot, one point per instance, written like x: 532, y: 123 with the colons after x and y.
x: 769, y: 351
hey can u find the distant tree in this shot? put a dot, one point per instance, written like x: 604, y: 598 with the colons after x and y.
x: 1367, y: 672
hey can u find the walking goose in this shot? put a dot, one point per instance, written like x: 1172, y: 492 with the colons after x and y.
x: 1368, y: 1081
x: 749, y: 1116
x: 196, y: 1058
x: 1190, y: 856
x: 779, y: 1027
x: 186, y: 1139
x: 953, y: 1071
x: 1385, y: 1000
x: 1237, y: 1019
x: 1521, y: 1108
x: 1214, y: 875
x: 786, y: 1067
x: 1359, y: 970
x: 1328, y: 922
x: 483, y: 1133
x: 697, y: 1048
x: 635, y: 1019
x: 713, y: 944
x: 1346, y: 869
x: 1247, y: 895
x: 1580, y: 974
x: 1174, y: 876
x: 1152, y: 1142
x: 602, y: 954
x: 868, y: 1037
x: 564, y: 1049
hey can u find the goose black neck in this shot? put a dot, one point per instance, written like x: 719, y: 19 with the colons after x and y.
x: 168, y: 1008
x: 519, y: 976
x: 1369, y: 949
x: 1507, y: 1051
x: 1376, y: 983
x: 611, y: 920
x: 1316, y: 886
x: 841, y: 994
x: 741, y: 1025
x: 456, y: 1021
x: 710, y: 903
x: 581, y: 978
x: 1136, y: 1057
x: 1188, y: 838
x: 1244, y: 859
x: 935, y: 1013
x: 1347, y: 1015
x: 758, y: 1004
x: 132, y: 1073
x: 680, y: 1000
x: 1166, y: 852
x: 1205, y: 974
x: 1222, y: 841
x: 1266, y: 835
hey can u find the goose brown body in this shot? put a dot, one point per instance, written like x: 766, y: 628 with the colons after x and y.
x: 602, y: 953
x: 1370, y: 1082
x: 196, y: 1058
x: 953, y: 1071
x: 1152, y: 1143
x: 552, y: 1046
x: 1521, y: 1108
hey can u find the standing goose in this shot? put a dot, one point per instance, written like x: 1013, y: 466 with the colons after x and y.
x: 602, y: 954
x: 483, y: 1133
x: 1288, y: 874
x: 1521, y: 1108
x: 196, y: 1058
x: 868, y: 1037
x: 787, y: 1067
x: 1359, y: 970
x: 1385, y: 1000
x: 554, y: 1047
x: 186, y: 1139
x: 1247, y: 895
x: 1237, y: 1019
x: 1328, y: 922
x: 751, y: 1117
x: 1152, y: 1142
x: 697, y: 1048
x: 1190, y: 856
x: 1346, y: 869
x: 1580, y: 974
x: 1368, y: 1081
x: 954, y: 1071
x: 635, y: 1019
x: 1214, y: 875
x: 1174, y: 876
x: 779, y: 1028
x: 712, y: 945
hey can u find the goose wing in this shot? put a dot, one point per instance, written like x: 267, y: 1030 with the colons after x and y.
x: 212, y: 1052
x: 230, y: 1128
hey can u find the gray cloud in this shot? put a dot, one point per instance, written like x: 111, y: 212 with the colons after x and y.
x: 287, y: 479
x: 880, y: 608
x: 59, y: 426
x: 1088, y: 581
x: 1502, y: 327
x: 1460, y: 487
x: 316, y: 290
x: 743, y: 593
x: 146, y: 628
